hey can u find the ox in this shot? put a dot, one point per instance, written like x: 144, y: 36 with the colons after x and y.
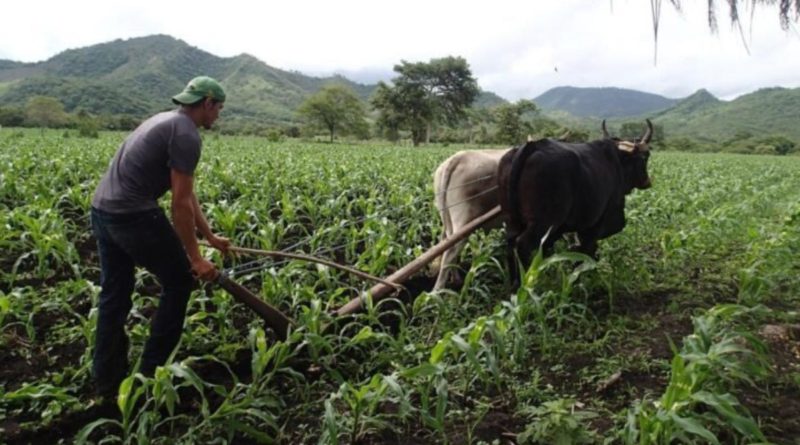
x: 548, y: 188
x: 465, y: 188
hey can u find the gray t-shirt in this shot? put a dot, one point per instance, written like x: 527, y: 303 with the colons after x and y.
x: 139, y: 174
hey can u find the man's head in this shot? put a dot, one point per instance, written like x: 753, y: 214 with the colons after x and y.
x: 203, y: 98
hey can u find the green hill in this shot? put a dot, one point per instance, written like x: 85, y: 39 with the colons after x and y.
x: 138, y: 76
x: 701, y: 116
x: 768, y: 111
x: 601, y: 102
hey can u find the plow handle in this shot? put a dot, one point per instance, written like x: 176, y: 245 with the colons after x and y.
x: 274, y: 318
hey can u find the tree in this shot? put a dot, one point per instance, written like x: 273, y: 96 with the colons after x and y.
x: 424, y: 94
x: 788, y: 10
x: 474, y: 128
x: 386, y: 101
x: 45, y: 111
x: 11, y: 117
x: 785, y: 12
x: 778, y: 145
x: 335, y: 108
x: 511, y: 129
x: 88, y: 126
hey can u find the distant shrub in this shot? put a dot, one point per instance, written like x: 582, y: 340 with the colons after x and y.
x: 780, y: 145
x: 88, y: 128
x: 292, y: 132
x: 274, y: 135
x: 764, y: 149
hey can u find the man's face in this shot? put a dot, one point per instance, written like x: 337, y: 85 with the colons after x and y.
x: 211, y: 112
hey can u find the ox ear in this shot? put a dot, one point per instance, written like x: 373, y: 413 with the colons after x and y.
x: 530, y: 137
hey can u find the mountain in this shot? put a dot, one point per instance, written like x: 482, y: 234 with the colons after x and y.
x: 764, y: 112
x: 701, y: 116
x: 697, y: 102
x: 138, y: 76
x: 604, y: 102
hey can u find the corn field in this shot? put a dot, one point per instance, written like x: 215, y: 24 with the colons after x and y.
x: 686, y: 330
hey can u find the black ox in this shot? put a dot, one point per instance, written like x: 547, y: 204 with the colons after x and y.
x: 548, y: 188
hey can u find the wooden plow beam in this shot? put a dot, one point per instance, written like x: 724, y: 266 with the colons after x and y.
x: 380, y: 290
x: 280, y: 323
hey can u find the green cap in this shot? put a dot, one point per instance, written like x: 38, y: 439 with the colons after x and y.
x: 198, y: 89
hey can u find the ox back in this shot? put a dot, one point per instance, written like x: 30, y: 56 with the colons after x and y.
x: 548, y: 188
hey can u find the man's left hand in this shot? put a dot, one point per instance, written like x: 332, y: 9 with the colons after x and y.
x: 220, y: 243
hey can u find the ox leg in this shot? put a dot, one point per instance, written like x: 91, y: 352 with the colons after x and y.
x: 588, y: 244
x: 448, y: 259
x: 511, y: 257
x: 531, y: 239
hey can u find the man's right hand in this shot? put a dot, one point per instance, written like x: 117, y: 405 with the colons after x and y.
x: 204, y: 269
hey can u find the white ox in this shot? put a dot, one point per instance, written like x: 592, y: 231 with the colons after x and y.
x: 465, y: 187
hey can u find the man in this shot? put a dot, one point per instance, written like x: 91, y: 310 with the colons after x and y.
x: 132, y: 230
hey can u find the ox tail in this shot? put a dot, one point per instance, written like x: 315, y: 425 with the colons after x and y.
x: 517, y: 165
x: 441, y: 186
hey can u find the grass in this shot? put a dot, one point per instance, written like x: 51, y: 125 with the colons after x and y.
x: 656, y: 342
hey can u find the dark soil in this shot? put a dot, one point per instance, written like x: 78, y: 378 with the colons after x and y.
x: 777, y: 405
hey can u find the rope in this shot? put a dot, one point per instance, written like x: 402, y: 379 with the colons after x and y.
x: 312, y: 259
x: 490, y: 189
x: 482, y: 178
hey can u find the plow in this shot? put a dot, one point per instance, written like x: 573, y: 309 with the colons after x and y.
x: 281, y: 324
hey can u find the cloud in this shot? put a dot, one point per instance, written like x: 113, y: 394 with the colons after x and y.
x: 515, y: 49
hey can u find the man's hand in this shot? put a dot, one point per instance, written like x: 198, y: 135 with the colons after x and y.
x: 220, y: 243
x: 204, y: 269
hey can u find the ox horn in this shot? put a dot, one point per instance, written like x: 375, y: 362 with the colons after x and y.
x: 648, y: 133
x: 605, y: 132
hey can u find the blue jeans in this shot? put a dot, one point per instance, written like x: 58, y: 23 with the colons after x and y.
x: 145, y: 239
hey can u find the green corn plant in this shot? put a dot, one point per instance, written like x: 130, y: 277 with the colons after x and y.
x: 135, y: 403
x: 331, y: 422
x: 432, y: 387
x: 42, y: 400
x: 712, y: 355
x: 362, y: 402
x: 558, y: 422
x: 43, y: 237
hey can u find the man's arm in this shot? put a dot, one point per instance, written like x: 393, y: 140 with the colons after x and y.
x: 220, y: 243
x: 184, y: 220
x: 200, y: 219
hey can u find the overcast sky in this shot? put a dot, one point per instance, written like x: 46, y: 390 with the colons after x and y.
x: 515, y: 49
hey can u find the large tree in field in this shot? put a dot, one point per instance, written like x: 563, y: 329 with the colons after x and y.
x: 45, y: 112
x: 511, y: 129
x: 336, y: 108
x: 424, y: 94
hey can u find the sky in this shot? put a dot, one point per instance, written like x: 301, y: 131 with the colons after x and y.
x: 516, y: 49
